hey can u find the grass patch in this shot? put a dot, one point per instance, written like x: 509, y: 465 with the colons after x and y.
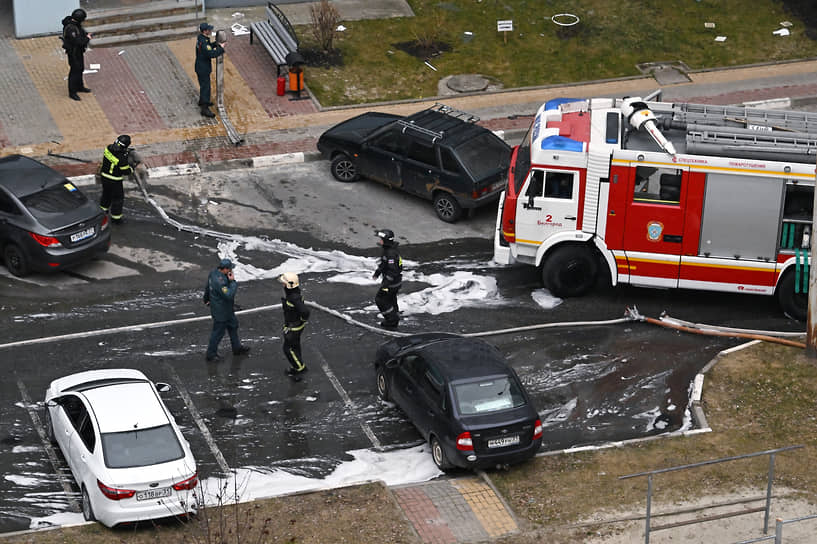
x: 757, y: 399
x: 607, y: 43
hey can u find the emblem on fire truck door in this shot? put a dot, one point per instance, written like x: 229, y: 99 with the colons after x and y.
x: 654, y: 230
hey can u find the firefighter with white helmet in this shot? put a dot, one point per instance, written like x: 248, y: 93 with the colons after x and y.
x: 390, y: 267
x: 296, y: 315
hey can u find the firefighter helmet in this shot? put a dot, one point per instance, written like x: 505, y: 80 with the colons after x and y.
x: 123, y: 141
x: 386, y: 235
x: 289, y: 280
x: 79, y: 15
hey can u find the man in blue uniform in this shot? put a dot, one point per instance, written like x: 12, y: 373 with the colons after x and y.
x: 296, y: 315
x: 390, y: 267
x: 219, y: 294
x: 205, y: 51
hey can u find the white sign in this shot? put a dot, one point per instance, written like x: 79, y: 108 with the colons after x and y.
x: 504, y: 26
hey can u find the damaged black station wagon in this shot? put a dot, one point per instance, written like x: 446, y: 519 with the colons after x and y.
x: 439, y: 154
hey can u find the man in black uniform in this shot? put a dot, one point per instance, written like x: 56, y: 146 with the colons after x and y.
x: 295, y: 316
x: 391, y: 268
x: 75, y: 42
x: 205, y: 51
x: 115, y: 166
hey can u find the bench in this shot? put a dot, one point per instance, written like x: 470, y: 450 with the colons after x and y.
x: 277, y: 37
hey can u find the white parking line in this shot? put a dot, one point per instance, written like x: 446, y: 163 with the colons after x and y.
x: 49, y: 450
x: 222, y: 462
x: 348, y: 401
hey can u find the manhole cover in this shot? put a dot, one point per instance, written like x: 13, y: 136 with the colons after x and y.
x: 467, y: 83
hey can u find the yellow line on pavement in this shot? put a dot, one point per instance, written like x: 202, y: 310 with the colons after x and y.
x: 486, y: 506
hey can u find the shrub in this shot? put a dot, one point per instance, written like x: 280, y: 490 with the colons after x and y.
x: 325, y: 19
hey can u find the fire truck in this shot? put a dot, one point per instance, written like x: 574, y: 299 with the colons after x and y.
x: 666, y: 195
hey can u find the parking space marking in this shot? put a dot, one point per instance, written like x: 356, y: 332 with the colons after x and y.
x: 222, y: 462
x: 49, y: 449
x: 348, y: 401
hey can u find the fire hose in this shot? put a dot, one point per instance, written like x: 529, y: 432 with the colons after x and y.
x: 232, y: 133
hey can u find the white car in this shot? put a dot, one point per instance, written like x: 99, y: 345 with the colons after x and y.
x: 123, y: 446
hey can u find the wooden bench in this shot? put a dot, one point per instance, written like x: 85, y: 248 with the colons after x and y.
x: 276, y: 35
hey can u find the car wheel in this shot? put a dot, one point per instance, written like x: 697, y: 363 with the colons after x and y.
x: 447, y: 207
x: 438, y: 454
x: 16, y: 260
x: 344, y: 169
x: 382, y: 384
x: 794, y: 305
x: 87, y: 509
x: 49, y: 427
x: 570, y: 271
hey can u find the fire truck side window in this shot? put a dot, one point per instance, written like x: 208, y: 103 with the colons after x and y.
x: 657, y: 185
x: 559, y: 185
x: 536, y: 185
x: 798, y: 209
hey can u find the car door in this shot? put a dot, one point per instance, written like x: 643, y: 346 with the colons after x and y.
x: 82, y: 445
x: 9, y: 214
x: 421, y: 169
x: 548, y: 204
x: 381, y: 157
x: 410, y: 369
x: 432, y: 409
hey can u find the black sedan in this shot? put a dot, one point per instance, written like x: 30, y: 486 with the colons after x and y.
x: 46, y: 222
x: 462, y: 396
x: 439, y: 154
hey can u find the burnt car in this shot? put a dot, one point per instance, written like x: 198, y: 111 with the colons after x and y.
x: 439, y: 154
x: 462, y: 396
x: 46, y: 222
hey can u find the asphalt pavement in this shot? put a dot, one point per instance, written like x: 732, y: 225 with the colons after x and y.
x: 157, y: 107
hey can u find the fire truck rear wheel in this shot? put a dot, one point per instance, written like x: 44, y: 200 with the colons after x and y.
x: 794, y: 305
x: 570, y: 271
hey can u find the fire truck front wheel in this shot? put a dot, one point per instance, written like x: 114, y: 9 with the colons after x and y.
x: 794, y: 305
x: 570, y: 271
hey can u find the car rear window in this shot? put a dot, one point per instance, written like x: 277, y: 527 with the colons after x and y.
x: 485, y: 396
x: 484, y: 155
x: 142, y: 447
x: 54, y: 199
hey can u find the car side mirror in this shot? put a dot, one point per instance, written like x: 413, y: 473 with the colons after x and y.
x: 162, y: 387
x: 392, y: 363
x: 53, y: 403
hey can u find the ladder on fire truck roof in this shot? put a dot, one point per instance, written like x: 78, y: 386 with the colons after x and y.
x: 782, y: 120
x: 410, y: 123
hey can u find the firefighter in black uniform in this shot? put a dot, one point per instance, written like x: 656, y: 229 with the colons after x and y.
x: 205, y: 51
x: 296, y: 315
x: 75, y: 42
x: 391, y: 268
x: 115, y: 166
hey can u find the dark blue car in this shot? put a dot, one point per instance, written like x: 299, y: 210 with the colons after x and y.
x: 46, y: 222
x: 462, y: 396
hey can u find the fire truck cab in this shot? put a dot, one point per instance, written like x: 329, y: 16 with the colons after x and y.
x: 669, y: 195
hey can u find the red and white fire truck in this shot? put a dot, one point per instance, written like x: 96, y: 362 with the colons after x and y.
x: 663, y: 195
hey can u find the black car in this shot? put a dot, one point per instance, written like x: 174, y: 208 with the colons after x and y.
x: 439, y: 154
x: 46, y: 222
x: 462, y: 396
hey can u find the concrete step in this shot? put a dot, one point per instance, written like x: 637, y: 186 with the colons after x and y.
x: 147, y: 10
x: 168, y: 34
x: 188, y: 21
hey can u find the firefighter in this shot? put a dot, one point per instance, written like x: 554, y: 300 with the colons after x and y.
x: 75, y: 41
x: 296, y: 315
x: 391, y: 268
x: 116, y: 164
x: 219, y: 295
x: 205, y: 51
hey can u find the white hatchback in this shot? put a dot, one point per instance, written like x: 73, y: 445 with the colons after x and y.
x: 123, y: 446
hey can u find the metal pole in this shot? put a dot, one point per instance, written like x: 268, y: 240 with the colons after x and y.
x: 811, y: 321
x: 769, y: 494
x: 649, y: 504
x: 778, y: 531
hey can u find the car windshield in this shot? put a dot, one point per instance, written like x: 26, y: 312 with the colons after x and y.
x: 142, y: 447
x: 485, y: 396
x: 54, y: 199
x: 484, y: 155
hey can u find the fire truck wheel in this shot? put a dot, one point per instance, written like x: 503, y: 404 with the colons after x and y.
x: 447, y: 207
x: 794, y: 305
x: 344, y: 169
x: 570, y: 271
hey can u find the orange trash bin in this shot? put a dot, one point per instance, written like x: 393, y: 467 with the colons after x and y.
x: 296, y: 79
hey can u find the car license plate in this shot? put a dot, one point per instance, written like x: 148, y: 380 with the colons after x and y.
x: 152, y: 494
x: 83, y: 234
x: 502, y: 442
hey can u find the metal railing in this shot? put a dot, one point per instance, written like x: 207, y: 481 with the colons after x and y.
x: 766, y: 509
x: 778, y: 530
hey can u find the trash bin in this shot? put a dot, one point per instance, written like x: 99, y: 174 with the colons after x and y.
x: 296, y: 79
